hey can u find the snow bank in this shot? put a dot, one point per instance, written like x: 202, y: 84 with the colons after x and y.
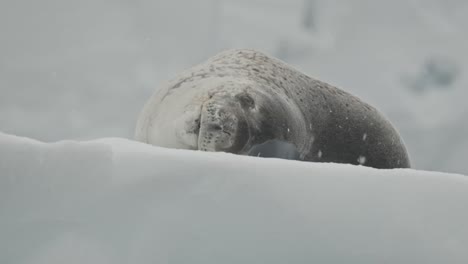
x: 118, y: 201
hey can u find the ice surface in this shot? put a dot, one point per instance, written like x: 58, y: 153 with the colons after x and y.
x: 118, y: 201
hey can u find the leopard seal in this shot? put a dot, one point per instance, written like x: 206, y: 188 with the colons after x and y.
x: 241, y: 99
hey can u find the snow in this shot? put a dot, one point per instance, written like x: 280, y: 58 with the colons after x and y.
x: 361, y: 160
x: 114, y: 200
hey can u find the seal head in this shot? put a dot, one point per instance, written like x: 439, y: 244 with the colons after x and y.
x: 235, y: 122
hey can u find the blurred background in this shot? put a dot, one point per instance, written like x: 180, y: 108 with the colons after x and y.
x: 84, y: 69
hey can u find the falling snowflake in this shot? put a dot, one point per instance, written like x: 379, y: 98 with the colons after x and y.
x: 361, y: 160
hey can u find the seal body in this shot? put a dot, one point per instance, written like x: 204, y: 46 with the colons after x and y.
x: 243, y: 101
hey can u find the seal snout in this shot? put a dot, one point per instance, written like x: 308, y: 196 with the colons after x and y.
x: 219, y: 124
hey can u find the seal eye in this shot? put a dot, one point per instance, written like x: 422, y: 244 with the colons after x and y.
x: 246, y: 100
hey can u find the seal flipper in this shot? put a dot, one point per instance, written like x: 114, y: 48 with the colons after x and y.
x: 275, y: 149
